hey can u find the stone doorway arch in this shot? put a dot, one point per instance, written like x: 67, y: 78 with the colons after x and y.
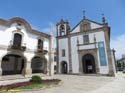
x: 88, y: 63
x: 64, y: 67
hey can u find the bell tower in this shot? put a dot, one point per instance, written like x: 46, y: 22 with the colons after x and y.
x: 63, y: 28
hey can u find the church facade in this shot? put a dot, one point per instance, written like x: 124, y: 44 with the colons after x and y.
x: 85, y: 49
x: 24, y: 50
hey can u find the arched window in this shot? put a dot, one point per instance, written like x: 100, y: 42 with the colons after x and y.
x: 17, y: 39
x: 40, y: 44
x: 62, y: 30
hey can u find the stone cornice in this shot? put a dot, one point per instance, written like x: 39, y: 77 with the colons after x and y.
x: 5, y: 47
x: 80, y: 51
x: 86, y: 44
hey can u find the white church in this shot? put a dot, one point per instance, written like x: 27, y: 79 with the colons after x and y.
x: 85, y: 49
x: 24, y: 50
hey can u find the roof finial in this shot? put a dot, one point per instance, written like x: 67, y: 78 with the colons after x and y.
x: 103, y: 19
x: 84, y: 14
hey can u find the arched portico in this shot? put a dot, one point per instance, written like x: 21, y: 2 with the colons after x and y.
x: 39, y: 64
x: 12, y: 64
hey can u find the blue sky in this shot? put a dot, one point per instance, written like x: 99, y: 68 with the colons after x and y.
x: 40, y: 13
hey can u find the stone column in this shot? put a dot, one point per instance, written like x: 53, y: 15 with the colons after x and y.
x: 113, y: 61
x: 51, y: 56
x: 27, y: 70
x: 52, y: 63
x: 0, y: 67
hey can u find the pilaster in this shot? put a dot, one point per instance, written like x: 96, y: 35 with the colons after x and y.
x: 69, y: 50
x: 80, y: 62
x: 110, y: 63
x: 27, y: 71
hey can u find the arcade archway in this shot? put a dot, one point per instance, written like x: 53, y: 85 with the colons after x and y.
x: 38, y: 65
x: 12, y: 64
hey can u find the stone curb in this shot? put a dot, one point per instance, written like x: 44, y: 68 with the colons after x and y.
x: 33, y: 89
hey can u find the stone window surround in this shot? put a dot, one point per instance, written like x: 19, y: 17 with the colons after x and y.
x: 85, y: 39
x: 41, y: 38
x: 40, y: 44
x: 12, y: 38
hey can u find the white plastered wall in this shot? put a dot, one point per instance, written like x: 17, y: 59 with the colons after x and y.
x: 63, y: 44
x: 99, y: 37
x: 28, y: 39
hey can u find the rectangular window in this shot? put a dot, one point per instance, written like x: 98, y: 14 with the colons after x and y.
x: 86, y: 27
x: 63, y: 52
x: 40, y: 44
x: 86, y: 39
x: 55, y: 58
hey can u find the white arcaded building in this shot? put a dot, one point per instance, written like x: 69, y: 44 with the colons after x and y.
x: 24, y: 50
x: 85, y: 49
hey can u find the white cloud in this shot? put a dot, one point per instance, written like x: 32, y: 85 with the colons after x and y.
x: 118, y: 43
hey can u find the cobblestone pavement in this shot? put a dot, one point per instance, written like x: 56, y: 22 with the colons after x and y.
x: 87, y: 84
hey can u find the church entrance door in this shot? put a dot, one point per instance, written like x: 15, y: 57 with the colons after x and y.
x: 88, y: 63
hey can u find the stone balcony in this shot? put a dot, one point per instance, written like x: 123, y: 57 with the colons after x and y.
x: 43, y: 51
x: 16, y: 47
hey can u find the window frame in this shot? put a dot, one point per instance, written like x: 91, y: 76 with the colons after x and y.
x: 41, y: 42
x: 16, y: 32
x: 86, y: 26
x: 86, y: 39
x: 63, y: 53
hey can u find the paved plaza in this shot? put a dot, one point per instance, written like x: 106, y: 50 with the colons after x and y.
x: 87, y: 84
